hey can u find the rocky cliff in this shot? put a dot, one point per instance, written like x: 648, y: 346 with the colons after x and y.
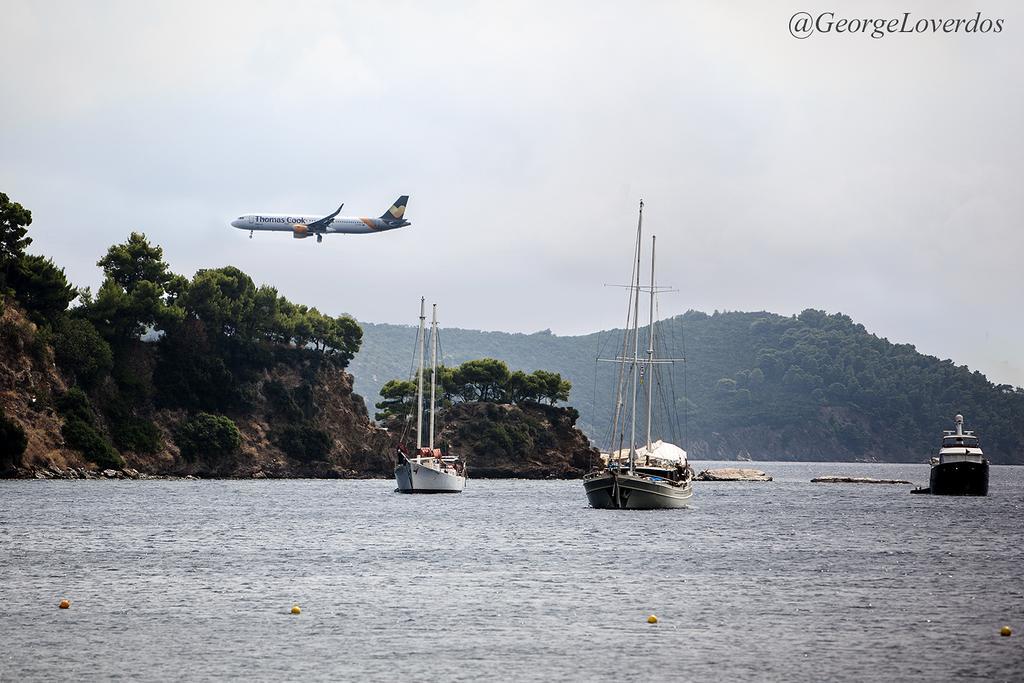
x: 299, y: 418
x: 28, y: 382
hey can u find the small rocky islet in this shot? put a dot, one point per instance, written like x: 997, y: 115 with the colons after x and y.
x: 732, y: 474
x: 856, y: 480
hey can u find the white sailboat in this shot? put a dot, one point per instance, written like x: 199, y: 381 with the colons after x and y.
x: 428, y: 470
x: 656, y: 474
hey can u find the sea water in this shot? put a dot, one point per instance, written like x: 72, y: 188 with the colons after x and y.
x: 511, y: 580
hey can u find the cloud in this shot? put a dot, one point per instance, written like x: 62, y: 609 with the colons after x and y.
x: 873, y: 177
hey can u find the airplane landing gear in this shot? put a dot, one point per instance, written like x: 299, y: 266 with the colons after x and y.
x: 250, y: 234
x: 319, y: 237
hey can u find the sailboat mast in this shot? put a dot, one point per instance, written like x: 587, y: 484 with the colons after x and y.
x: 636, y: 342
x: 650, y: 350
x: 433, y: 373
x: 621, y: 385
x: 419, y: 377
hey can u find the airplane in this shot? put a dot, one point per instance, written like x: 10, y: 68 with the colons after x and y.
x: 306, y: 226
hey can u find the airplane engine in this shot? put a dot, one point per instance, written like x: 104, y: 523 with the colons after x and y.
x: 300, y: 231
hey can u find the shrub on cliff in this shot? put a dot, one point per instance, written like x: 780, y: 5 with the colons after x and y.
x: 12, y: 442
x: 136, y: 434
x: 89, y: 442
x: 190, y: 373
x: 207, y: 436
x: 74, y: 405
x: 80, y: 432
x: 282, y: 401
x: 81, y: 351
x: 304, y: 442
x: 508, y: 433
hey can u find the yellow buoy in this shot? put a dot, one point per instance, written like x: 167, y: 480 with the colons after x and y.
x: 1006, y: 631
x: 296, y: 609
x: 652, y: 619
x: 64, y: 604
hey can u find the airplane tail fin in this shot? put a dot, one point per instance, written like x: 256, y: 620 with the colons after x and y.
x: 397, y: 210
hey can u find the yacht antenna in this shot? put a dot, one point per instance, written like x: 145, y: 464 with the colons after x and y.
x: 433, y: 373
x: 419, y: 379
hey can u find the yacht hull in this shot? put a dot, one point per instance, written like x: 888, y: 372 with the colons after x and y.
x: 413, y: 477
x: 607, y: 491
x: 962, y: 478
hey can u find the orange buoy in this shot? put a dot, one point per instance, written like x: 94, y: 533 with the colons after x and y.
x: 64, y: 604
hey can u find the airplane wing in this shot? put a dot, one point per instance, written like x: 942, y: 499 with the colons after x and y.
x: 321, y: 223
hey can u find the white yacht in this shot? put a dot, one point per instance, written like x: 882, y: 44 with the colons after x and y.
x: 656, y: 474
x: 427, y: 469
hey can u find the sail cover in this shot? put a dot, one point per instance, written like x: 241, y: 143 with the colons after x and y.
x: 662, y: 453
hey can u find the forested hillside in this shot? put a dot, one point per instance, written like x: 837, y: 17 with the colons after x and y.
x: 759, y: 385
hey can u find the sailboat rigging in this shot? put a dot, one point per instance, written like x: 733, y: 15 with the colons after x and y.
x: 428, y: 470
x: 663, y: 479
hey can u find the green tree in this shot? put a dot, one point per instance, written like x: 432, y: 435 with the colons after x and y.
x: 134, y: 262
x: 481, y: 380
x: 14, y: 222
x: 138, y: 291
x: 41, y: 287
x: 264, y: 317
x: 522, y: 387
x: 337, y: 338
x: 299, y: 323
x: 552, y: 387
x: 399, y: 399
x: 223, y: 299
x: 123, y: 315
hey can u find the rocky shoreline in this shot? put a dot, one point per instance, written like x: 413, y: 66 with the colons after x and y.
x: 70, y: 473
x: 128, y: 474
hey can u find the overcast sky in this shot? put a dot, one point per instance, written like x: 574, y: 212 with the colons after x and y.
x: 876, y: 177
